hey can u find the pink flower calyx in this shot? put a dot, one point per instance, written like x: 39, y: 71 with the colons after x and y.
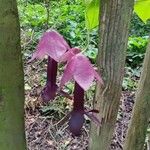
x: 81, y: 70
x: 52, y: 44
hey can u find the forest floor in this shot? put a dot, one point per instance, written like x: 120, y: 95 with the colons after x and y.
x: 46, y: 128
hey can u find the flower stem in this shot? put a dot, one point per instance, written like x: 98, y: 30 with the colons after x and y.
x: 78, y: 98
x: 77, y: 115
x: 49, y: 92
x: 51, y: 71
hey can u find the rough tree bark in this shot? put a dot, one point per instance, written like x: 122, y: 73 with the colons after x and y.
x: 12, y: 136
x: 114, y: 24
x: 141, y: 112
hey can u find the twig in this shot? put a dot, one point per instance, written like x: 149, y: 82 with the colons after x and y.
x: 47, y: 5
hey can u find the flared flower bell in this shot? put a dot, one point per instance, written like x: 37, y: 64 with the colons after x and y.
x: 81, y: 70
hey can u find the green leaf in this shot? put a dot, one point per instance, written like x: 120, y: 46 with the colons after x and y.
x: 92, y: 13
x: 142, y: 9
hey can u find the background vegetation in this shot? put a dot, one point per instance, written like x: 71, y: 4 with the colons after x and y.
x: 68, y: 17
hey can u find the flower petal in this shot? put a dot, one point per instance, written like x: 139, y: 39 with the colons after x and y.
x: 83, y: 75
x: 37, y: 54
x: 52, y: 44
x: 98, y: 77
x: 82, y: 71
x: 68, y: 73
x: 69, y: 54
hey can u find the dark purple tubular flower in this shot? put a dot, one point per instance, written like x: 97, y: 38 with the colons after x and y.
x: 49, y: 92
x: 77, y: 115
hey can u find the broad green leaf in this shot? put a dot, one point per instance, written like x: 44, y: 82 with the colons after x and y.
x: 142, y: 9
x: 92, y: 13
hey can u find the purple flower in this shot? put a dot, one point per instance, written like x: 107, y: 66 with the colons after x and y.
x: 69, y: 54
x: 54, y: 45
x: 80, y: 69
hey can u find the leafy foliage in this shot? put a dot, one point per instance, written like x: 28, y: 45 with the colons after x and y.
x: 138, y: 27
x: 92, y: 13
x: 136, y: 50
x: 142, y: 8
x: 131, y: 76
x: 68, y: 17
x: 32, y: 15
x: 135, y: 55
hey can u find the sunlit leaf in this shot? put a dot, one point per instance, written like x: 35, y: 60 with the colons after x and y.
x: 142, y: 9
x: 92, y: 13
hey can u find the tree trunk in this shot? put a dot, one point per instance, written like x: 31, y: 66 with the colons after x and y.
x: 114, y: 24
x: 141, y: 112
x: 12, y: 136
